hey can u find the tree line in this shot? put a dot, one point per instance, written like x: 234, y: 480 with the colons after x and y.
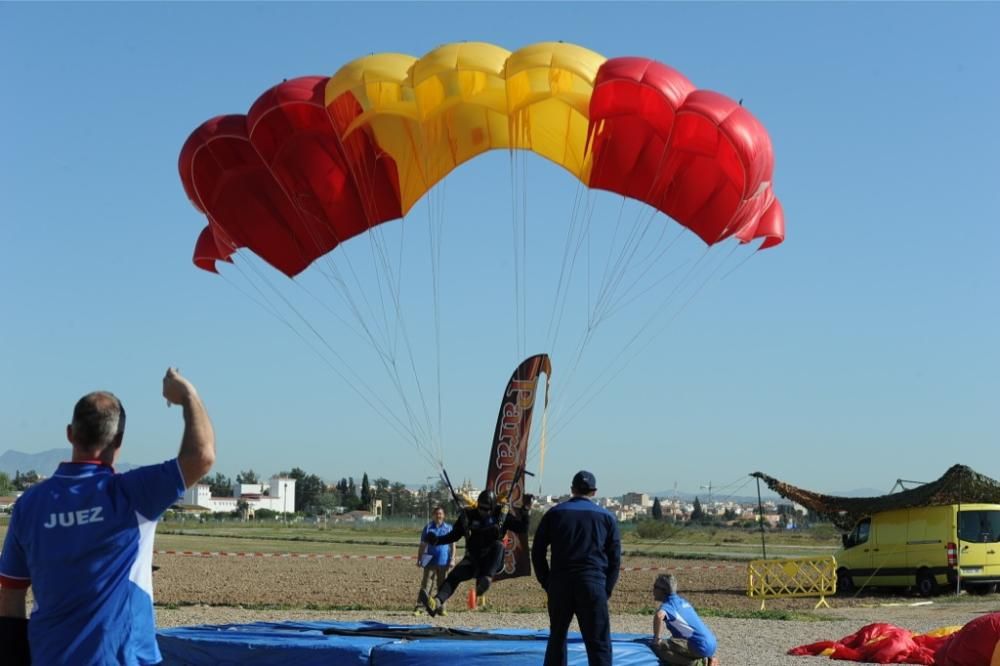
x: 315, y: 497
x: 20, y: 481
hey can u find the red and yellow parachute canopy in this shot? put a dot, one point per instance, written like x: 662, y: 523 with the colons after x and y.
x: 319, y: 160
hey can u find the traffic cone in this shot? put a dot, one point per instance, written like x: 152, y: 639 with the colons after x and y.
x: 470, y: 599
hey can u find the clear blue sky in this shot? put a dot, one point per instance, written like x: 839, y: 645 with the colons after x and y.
x: 862, y: 350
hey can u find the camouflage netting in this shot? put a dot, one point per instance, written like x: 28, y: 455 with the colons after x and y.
x: 958, y: 485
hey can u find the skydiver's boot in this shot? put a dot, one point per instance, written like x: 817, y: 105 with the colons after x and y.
x: 432, y: 604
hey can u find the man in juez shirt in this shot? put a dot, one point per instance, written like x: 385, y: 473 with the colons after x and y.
x: 83, y: 540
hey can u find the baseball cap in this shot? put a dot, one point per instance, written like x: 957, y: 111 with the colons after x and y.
x: 585, y: 481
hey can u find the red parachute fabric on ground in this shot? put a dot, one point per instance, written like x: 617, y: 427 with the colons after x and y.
x: 878, y: 643
x: 976, y: 644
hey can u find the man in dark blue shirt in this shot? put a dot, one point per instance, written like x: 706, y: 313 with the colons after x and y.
x: 586, y: 555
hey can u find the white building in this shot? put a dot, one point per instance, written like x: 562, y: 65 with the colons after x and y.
x: 278, y: 495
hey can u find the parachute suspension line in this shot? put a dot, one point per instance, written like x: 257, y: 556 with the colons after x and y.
x: 583, y: 400
x: 575, y: 406
x: 523, y: 259
x: 740, y: 265
x: 515, y: 183
x: 543, y: 435
x: 356, y: 383
x: 434, y: 199
x: 582, y: 235
x: 632, y: 291
x: 525, y: 222
x: 607, y: 262
x: 415, y: 430
x: 399, y: 322
x: 616, y: 272
x: 614, y: 278
x: 563, y: 277
x: 435, y: 229
x: 588, y: 255
x: 392, y: 286
x: 384, y: 350
x: 610, y: 293
x: 575, y: 237
x: 621, y: 263
x: 362, y: 334
x: 413, y: 369
x: 726, y: 258
x: 385, y: 283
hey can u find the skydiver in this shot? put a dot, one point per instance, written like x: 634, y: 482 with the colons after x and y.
x: 483, y: 527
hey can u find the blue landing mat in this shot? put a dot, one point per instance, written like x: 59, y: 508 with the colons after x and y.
x: 309, y: 643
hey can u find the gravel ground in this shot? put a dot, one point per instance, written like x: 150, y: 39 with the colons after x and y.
x: 742, y: 642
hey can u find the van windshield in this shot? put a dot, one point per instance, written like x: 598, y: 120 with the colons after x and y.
x: 979, y: 526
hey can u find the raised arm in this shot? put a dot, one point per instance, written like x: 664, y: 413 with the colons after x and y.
x: 197, y: 454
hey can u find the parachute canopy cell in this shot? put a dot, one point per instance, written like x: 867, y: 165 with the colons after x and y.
x: 318, y: 160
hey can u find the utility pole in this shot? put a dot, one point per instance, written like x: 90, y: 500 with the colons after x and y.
x: 709, y: 488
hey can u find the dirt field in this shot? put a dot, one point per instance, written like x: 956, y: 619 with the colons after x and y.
x: 392, y: 585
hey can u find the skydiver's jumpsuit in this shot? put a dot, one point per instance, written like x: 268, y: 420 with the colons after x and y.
x: 586, y: 554
x: 483, y: 547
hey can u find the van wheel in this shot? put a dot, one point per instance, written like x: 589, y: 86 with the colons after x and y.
x: 845, y: 582
x: 926, y: 584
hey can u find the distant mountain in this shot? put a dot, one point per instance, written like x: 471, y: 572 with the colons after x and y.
x: 44, y: 462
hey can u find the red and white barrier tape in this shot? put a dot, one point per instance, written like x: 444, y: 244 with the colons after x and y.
x: 301, y: 556
x: 338, y: 556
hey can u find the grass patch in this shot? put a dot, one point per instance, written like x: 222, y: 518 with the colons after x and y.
x: 783, y: 615
x: 271, y: 607
x: 671, y: 555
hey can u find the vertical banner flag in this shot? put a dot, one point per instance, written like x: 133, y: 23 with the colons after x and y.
x: 508, y: 454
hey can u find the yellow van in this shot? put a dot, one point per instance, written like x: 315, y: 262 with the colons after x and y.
x: 924, y: 548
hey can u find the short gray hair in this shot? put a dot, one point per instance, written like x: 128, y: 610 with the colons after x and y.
x: 98, y: 418
x: 667, y: 583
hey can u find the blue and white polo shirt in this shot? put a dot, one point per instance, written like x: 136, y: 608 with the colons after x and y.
x: 83, y: 541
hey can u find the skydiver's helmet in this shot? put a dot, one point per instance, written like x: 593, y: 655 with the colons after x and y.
x: 486, y: 502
